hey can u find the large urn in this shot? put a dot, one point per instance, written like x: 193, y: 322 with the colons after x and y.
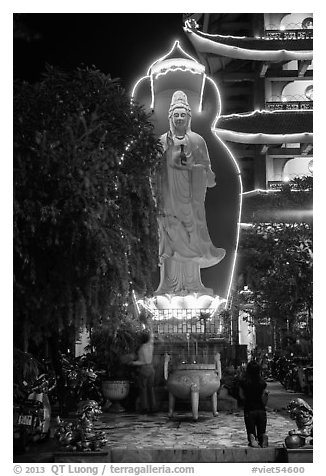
x: 114, y: 391
x: 193, y: 381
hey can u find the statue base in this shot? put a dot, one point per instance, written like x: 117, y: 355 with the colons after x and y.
x: 197, y: 301
x: 183, y: 306
x: 181, y: 278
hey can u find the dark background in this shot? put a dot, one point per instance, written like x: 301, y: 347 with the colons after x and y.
x: 123, y: 45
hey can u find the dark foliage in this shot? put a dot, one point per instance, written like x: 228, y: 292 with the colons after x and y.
x: 85, y: 229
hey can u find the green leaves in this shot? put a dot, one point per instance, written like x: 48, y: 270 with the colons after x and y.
x: 291, y: 204
x: 85, y: 228
x: 276, y: 261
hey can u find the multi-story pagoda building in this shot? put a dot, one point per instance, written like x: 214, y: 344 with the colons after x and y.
x: 262, y: 65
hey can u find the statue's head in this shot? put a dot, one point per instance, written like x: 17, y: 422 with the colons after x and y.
x: 179, y: 112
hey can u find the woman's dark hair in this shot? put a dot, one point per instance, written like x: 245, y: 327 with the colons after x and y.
x: 253, y: 370
x: 145, y: 336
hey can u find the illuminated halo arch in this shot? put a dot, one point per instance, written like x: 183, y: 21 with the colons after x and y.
x: 162, y: 66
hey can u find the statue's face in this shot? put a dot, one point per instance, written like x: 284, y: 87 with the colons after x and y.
x: 179, y: 117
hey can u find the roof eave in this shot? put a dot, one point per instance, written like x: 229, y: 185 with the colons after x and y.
x: 205, y: 45
x: 262, y: 138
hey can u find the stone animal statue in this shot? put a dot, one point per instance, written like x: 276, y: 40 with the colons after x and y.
x: 302, y: 413
x: 80, y: 435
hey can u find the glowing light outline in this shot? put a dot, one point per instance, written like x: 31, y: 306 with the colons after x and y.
x: 176, y: 44
x: 172, y: 69
x: 152, y: 92
x: 136, y: 85
x: 257, y: 55
x: 188, y: 28
x: 261, y: 138
x: 239, y: 218
x: 305, y: 137
x: 213, y: 129
x: 200, y: 108
x: 149, y: 74
x: 135, y: 301
x: 185, y: 63
x: 258, y: 191
x: 191, y: 30
x: 219, y: 302
x: 220, y: 104
x: 263, y: 111
x: 176, y: 68
x: 150, y: 305
x: 241, y: 190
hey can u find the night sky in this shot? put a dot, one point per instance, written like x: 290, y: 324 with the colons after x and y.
x: 123, y: 45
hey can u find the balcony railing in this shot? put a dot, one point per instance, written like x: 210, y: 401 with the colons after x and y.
x: 289, y: 34
x: 289, y: 105
x: 278, y: 184
x: 275, y: 184
x: 187, y: 321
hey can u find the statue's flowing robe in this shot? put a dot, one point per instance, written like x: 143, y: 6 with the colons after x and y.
x: 185, y: 244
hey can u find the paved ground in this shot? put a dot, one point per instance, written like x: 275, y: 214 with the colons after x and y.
x: 141, y: 432
x: 223, y: 431
x: 279, y: 397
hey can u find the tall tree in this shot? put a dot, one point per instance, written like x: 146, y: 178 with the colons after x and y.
x: 85, y: 231
x: 276, y: 260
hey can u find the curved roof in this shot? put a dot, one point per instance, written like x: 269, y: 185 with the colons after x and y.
x: 266, y: 127
x: 174, y: 58
x: 250, y: 48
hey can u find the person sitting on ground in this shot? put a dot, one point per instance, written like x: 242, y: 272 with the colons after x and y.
x: 146, y: 373
x: 253, y: 392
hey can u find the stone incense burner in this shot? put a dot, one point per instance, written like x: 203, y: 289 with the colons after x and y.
x: 193, y: 381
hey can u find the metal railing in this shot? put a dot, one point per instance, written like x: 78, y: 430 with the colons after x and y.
x: 295, y: 34
x: 279, y: 184
x: 187, y: 321
x: 289, y: 105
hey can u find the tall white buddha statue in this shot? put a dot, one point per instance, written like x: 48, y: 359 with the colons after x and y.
x: 181, y: 184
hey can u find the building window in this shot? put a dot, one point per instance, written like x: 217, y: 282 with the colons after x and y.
x: 307, y: 23
x: 311, y: 166
x: 297, y: 167
x: 309, y: 92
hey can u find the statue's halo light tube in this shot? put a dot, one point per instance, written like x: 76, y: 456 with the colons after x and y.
x: 177, y: 64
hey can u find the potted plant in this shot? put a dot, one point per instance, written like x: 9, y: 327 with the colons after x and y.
x: 114, y: 346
